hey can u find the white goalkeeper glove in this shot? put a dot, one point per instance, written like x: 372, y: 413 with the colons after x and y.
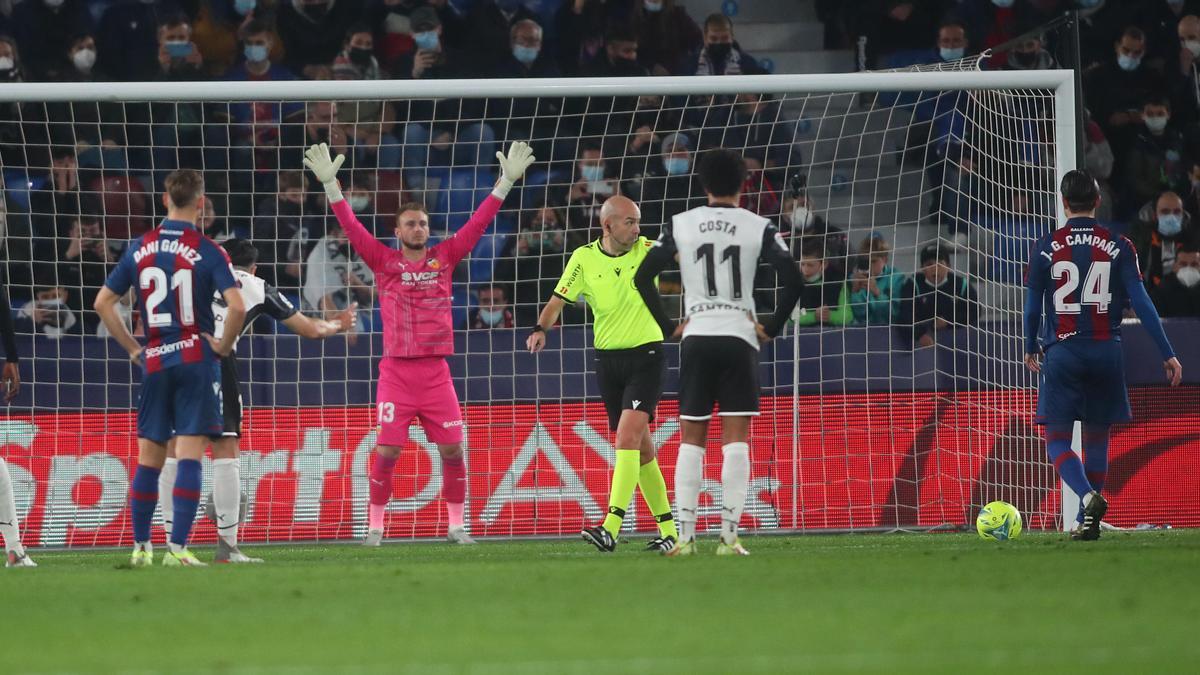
x: 316, y: 158
x: 520, y: 156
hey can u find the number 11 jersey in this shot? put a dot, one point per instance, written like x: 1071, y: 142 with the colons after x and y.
x: 1083, y: 274
x: 719, y: 248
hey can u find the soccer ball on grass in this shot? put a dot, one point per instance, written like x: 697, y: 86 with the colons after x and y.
x: 999, y: 521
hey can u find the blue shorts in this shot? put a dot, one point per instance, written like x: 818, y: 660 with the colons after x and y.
x: 1083, y: 380
x: 182, y: 400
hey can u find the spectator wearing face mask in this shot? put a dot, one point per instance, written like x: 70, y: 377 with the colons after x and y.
x: 489, y: 24
x: 1162, y: 227
x: 45, y: 29
x: 23, y: 137
x: 594, y: 181
x: 313, y: 31
x: 101, y: 125
x: 1158, y: 159
x: 720, y: 54
x: 666, y: 34
x: 48, y: 313
x: 536, y: 119
x: 668, y: 186
x: 1116, y: 90
x: 620, y: 55
x: 439, y: 134
x: 990, y: 23
x: 219, y: 28
x: 1179, y: 293
x: 493, y: 310
x: 369, y: 122
x: 825, y: 300
x: 127, y: 41
x: 800, y: 223
x: 256, y: 126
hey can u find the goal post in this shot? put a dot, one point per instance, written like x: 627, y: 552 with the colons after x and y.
x: 863, y: 427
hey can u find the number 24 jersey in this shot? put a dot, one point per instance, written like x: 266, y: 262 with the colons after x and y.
x: 1083, y: 275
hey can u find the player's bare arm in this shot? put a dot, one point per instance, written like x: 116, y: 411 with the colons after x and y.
x: 319, y: 329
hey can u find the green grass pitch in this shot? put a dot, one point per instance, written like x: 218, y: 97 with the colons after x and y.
x: 852, y: 603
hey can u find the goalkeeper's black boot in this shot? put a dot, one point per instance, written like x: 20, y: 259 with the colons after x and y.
x: 1089, y: 529
x: 600, y: 538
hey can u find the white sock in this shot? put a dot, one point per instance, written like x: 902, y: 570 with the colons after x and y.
x: 166, y: 493
x: 9, y: 527
x: 689, y: 470
x: 227, y: 498
x: 735, y: 483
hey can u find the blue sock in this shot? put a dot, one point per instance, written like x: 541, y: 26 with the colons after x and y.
x: 1066, y: 462
x: 143, y: 498
x: 185, y: 498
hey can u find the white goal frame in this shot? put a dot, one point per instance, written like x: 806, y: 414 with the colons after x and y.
x: 1060, y: 82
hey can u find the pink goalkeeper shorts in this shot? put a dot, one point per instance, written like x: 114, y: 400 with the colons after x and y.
x: 417, y: 388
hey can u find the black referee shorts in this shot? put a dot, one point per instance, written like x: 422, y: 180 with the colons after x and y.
x: 717, y: 369
x: 231, y: 397
x: 630, y: 379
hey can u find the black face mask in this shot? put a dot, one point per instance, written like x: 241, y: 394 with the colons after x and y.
x: 718, y: 52
x: 361, y: 57
x: 286, y: 208
x: 625, y: 66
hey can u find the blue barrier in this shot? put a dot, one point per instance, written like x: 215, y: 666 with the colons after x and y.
x: 86, y: 373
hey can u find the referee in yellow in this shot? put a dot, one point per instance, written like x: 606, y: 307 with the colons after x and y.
x: 629, y: 363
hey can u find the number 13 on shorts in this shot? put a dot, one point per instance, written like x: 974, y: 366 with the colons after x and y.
x: 386, y: 413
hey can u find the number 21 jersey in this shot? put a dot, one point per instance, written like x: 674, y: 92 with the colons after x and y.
x: 1081, y: 275
x: 176, y: 271
x: 719, y: 248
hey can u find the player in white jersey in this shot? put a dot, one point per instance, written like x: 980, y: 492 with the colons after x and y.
x: 259, y: 297
x: 718, y: 248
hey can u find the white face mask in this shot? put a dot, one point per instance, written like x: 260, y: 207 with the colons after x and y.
x: 1193, y: 46
x: 1188, y: 276
x: 359, y: 203
x: 1156, y: 124
x: 84, y: 59
x: 801, y: 218
x: 6, y: 63
x: 492, y: 317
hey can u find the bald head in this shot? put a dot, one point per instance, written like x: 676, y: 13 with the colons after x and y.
x: 1189, y: 28
x: 1169, y: 203
x: 620, y: 218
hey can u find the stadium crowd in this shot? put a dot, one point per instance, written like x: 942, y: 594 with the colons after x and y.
x: 81, y: 177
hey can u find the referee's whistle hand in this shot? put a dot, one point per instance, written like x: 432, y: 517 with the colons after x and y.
x: 1033, y: 363
x: 535, y: 342
x: 1174, y: 371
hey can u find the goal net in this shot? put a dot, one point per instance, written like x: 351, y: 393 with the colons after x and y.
x: 882, y: 410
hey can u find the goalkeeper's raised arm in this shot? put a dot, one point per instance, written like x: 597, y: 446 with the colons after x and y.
x: 377, y: 254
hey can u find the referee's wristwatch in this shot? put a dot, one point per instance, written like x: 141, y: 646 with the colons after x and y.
x: 537, y: 328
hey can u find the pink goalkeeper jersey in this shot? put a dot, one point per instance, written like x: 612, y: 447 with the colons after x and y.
x: 414, y: 297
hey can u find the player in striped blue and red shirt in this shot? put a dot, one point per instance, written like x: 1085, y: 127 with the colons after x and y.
x: 176, y: 270
x: 1080, y: 279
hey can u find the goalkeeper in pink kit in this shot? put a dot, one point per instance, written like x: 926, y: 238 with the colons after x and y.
x: 413, y: 286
